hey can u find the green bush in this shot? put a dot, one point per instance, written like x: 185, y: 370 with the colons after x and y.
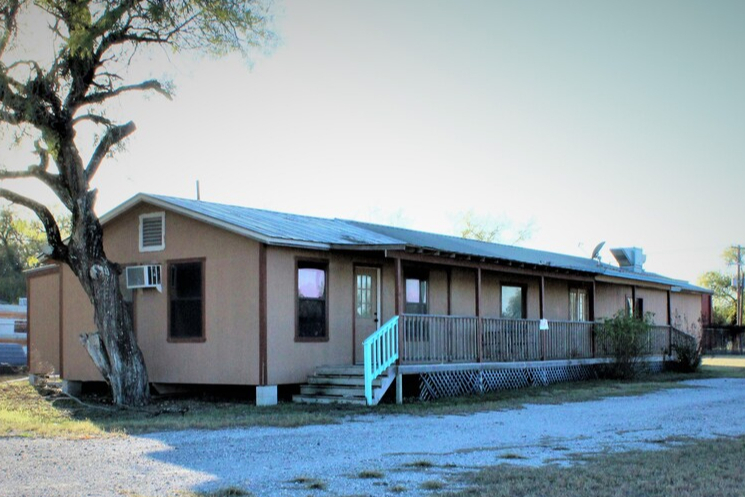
x: 687, y: 357
x: 624, y: 338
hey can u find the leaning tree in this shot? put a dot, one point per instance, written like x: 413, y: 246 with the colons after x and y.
x: 57, y: 99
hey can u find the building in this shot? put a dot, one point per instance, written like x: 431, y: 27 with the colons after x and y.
x: 236, y: 296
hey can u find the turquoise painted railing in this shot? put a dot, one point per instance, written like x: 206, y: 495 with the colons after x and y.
x: 381, y: 352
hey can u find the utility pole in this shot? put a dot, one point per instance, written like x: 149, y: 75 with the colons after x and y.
x: 739, y: 285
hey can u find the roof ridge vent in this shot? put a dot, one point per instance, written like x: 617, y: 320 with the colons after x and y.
x: 630, y: 258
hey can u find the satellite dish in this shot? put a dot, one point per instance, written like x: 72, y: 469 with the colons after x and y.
x: 596, y: 251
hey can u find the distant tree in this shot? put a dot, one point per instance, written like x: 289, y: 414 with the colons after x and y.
x: 60, y: 98
x: 489, y: 229
x: 725, y: 293
x: 21, y: 243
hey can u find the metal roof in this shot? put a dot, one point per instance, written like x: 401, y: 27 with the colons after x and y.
x: 476, y: 248
x: 277, y: 228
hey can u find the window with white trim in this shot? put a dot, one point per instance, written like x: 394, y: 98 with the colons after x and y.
x: 152, y: 232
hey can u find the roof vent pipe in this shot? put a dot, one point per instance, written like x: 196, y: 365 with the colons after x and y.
x: 630, y: 258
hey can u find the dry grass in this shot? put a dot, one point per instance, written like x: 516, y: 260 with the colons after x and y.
x: 40, y: 412
x: 701, y: 468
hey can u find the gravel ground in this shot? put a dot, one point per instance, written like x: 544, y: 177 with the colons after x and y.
x: 267, y: 460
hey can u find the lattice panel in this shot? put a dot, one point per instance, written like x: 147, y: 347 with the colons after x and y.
x: 449, y: 384
x: 454, y: 383
x: 504, y: 379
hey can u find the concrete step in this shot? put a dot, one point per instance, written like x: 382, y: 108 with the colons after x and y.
x: 338, y: 391
x: 324, y: 399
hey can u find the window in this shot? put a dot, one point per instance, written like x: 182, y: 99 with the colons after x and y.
x: 639, y: 309
x: 186, y: 300
x: 364, y: 305
x: 578, y: 304
x: 416, y: 294
x: 513, y: 302
x: 635, y: 308
x: 312, y: 301
x: 152, y: 232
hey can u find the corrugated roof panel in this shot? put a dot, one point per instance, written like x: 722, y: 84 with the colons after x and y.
x: 445, y: 243
x: 283, y: 226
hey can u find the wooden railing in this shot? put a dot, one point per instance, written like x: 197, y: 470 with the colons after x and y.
x: 439, y: 338
x: 380, y: 352
x: 511, y: 340
x: 452, y: 339
x: 568, y: 340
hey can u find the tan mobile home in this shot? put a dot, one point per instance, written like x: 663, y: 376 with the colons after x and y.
x: 226, y: 295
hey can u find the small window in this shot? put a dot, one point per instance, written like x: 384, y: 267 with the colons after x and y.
x: 312, y: 302
x: 578, y: 304
x: 639, y: 308
x: 416, y: 294
x: 513, y: 302
x: 186, y: 300
x: 152, y: 232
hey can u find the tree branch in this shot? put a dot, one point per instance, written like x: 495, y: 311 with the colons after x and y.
x: 54, y: 238
x: 96, y: 118
x: 8, y: 14
x: 113, y: 136
x: 98, y: 97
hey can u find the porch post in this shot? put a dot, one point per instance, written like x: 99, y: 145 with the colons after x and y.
x: 399, y: 290
x: 592, y: 319
x: 399, y: 309
x: 479, y: 323
x: 541, y: 332
x: 669, y: 326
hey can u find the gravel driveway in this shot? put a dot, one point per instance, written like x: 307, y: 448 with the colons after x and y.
x: 266, y: 460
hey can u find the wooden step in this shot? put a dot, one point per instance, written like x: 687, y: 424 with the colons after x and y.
x: 324, y: 399
x: 317, y: 379
x: 351, y: 370
x: 335, y: 390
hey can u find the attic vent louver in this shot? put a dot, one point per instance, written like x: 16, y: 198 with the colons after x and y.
x: 630, y: 258
x: 152, y: 232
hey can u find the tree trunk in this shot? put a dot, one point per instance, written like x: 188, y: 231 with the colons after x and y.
x: 113, y: 347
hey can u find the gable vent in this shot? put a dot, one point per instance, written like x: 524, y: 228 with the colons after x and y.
x: 152, y: 232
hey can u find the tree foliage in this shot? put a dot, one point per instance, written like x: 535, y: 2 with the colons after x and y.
x: 21, y: 243
x: 725, y: 293
x: 59, y: 99
x: 489, y: 229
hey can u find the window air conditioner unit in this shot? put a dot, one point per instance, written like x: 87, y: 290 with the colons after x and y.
x: 144, y: 277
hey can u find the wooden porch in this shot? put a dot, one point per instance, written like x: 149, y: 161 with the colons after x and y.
x: 418, y: 343
x: 426, y: 339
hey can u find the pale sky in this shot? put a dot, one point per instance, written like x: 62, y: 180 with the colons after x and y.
x: 598, y: 121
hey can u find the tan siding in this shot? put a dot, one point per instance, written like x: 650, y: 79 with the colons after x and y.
x: 609, y: 299
x: 230, y: 353
x: 438, y: 292
x: 290, y: 361
x: 556, y: 299
x: 464, y: 292
x: 77, y: 318
x: 490, y: 295
x: 686, y: 312
x: 43, y: 331
x: 655, y: 302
